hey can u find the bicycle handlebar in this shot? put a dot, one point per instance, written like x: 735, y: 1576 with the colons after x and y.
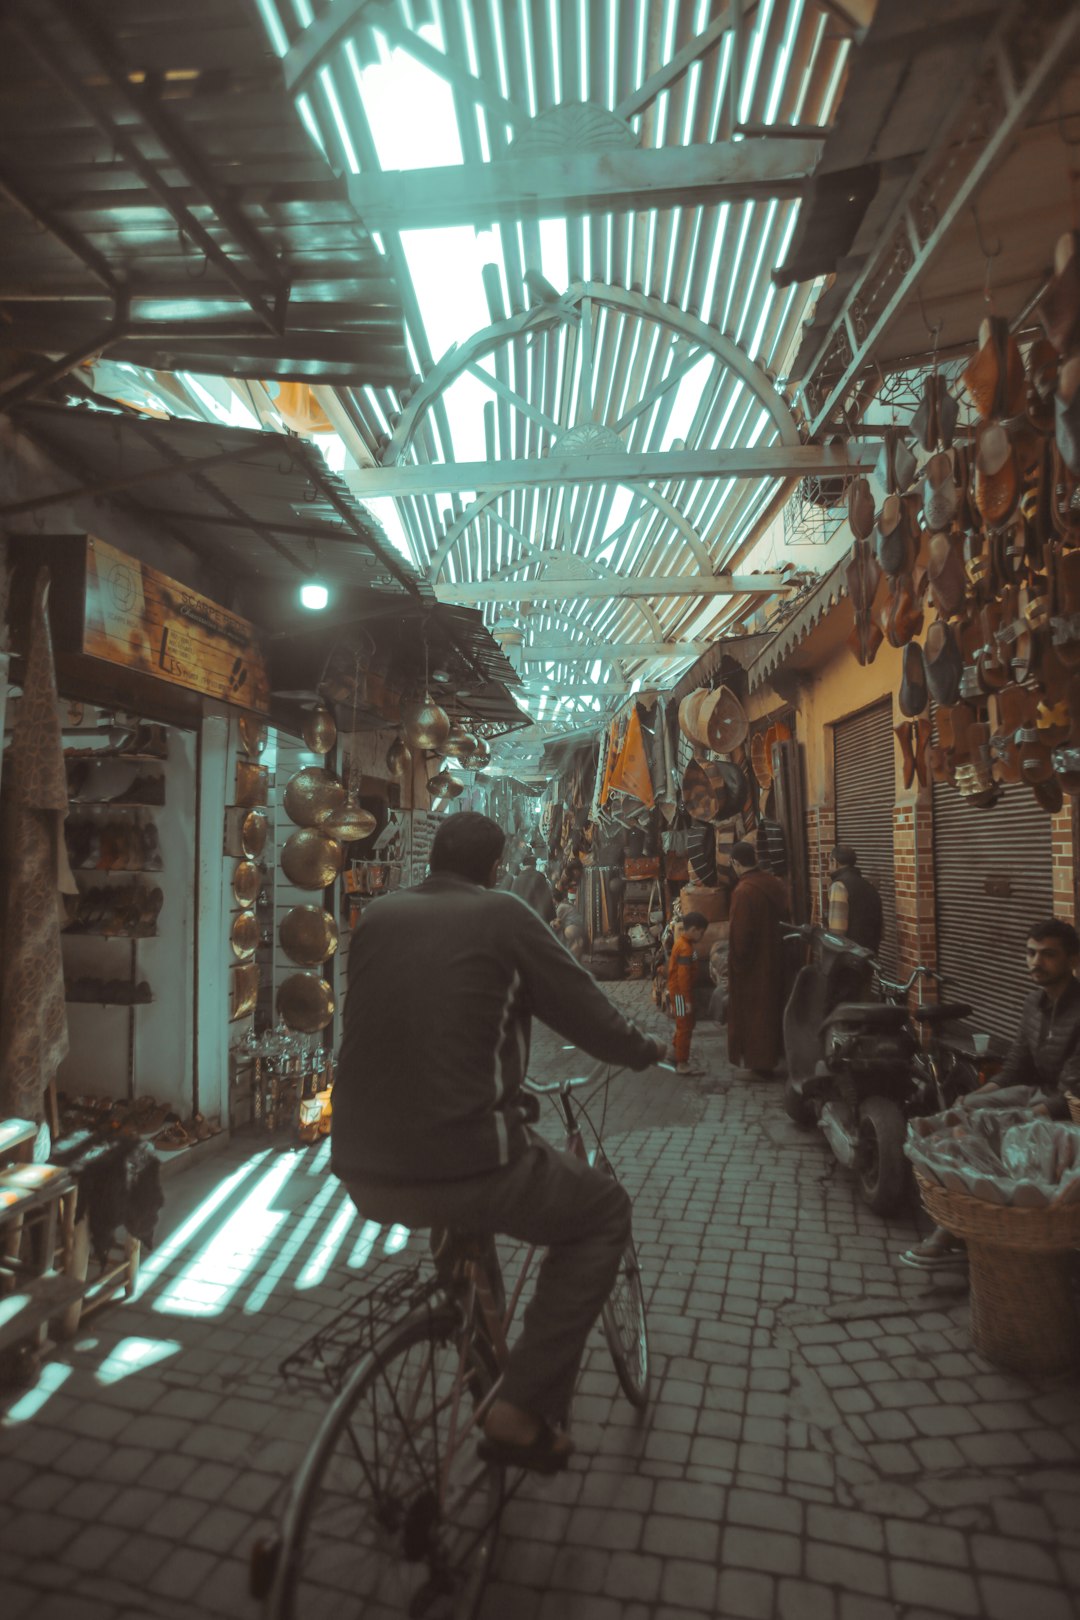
x: 542, y: 1088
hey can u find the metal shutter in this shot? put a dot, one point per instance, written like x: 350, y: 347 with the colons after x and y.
x: 993, y: 878
x: 864, y: 777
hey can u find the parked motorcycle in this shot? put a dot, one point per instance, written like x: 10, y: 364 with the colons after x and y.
x: 859, y: 1069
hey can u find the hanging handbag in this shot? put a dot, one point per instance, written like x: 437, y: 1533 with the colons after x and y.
x: 656, y: 904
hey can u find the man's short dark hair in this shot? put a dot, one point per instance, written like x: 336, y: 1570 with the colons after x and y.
x: 468, y: 845
x: 528, y: 859
x: 1063, y: 932
x: 745, y: 854
x: 845, y: 855
x: 694, y: 919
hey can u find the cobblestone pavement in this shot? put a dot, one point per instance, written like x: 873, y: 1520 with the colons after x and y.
x: 822, y: 1443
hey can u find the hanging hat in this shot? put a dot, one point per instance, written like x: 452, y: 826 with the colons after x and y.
x: 724, y: 721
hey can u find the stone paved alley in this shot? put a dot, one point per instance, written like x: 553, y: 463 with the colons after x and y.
x: 822, y: 1445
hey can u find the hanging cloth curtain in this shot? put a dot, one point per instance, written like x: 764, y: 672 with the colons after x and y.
x: 631, y: 773
x: 33, y: 1017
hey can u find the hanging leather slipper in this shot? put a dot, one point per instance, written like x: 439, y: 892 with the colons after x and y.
x: 943, y: 663
x: 913, y: 685
x: 1067, y: 414
x: 1066, y: 763
x: 903, y: 735
x: 948, y: 414
x: 941, y: 496
x: 892, y: 551
x: 861, y: 509
x: 1049, y: 795
x: 997, y: 478
x: 946, y: 575
x: 1036, y: 764
x: 1042, y: 373
x: 905, y: 617
x: 921, y: 744
x: 1059, y: 307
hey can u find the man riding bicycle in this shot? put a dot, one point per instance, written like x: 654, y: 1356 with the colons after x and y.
x: 429, y: 1124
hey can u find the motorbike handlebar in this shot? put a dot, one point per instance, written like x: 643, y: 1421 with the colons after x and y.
x: 892, y: 987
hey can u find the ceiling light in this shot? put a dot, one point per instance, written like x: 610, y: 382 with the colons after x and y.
x: 314, y: 595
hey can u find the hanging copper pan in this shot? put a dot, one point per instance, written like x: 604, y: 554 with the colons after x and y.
x: 245, y: 882
x: 253, y: 833
x: 244, y: 934
x: 252, y: 734
x: 308, y: 935
x: 305, y: 1002
x: 311, y: 859
x: 320, y: 730
x: 312, y: 796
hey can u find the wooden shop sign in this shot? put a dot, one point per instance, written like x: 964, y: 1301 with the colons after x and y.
x: 147, y: 622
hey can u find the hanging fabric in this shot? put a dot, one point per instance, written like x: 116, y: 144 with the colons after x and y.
x: 631, y: 773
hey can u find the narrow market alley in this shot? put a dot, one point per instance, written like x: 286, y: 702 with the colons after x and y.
x: 822, y: 1443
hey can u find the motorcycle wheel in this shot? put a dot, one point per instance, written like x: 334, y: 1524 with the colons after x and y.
x: 797, y: 1108
x: 881, y: 1164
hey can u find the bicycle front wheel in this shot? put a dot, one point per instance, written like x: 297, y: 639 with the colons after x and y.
x: 625, y: 1325
x: 392, y: 1514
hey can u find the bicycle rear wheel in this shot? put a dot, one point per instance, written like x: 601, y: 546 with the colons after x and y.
x: 379, y: 1522
x: 625, y: 1325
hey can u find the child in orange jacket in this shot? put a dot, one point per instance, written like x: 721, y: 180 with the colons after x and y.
x: 682, y: 974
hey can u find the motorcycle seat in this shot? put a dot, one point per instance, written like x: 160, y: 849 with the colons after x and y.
x: 877, y: 1017
x: 945, y: 1013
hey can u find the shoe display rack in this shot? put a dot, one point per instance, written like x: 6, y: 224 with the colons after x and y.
x: 114, y: 850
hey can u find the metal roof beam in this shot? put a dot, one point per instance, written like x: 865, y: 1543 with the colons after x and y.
x: 553, y: 587
x: 575, y: 652
x: 548, y: 186
x: 774, y: 461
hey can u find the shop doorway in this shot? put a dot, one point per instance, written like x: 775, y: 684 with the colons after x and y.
x: 993, y: 878
x: 864, y: 787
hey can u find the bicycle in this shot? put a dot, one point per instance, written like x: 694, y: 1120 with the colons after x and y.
x: 391, y: 1505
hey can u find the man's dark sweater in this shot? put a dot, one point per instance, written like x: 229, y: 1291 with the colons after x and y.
x: 1046, y: 1052
x: 444, y: 981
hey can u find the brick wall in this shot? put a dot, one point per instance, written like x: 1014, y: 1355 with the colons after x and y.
x: 1063, y: 843
x: 820, y: 842
x: 916, y: 924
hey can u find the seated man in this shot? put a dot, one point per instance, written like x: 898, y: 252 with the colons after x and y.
x: 1043, y: 1061
x: 444, y: 981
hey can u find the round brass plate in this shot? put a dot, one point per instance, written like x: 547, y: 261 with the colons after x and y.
x: 320, y: 731
x: 244, y: 935
x: 253, y: 832
x: 308, y: 935
x: 312, y: 796
x: 245, y: 883
x: 252, y: 734
x: 305, y: 1003
x: 311, y: 859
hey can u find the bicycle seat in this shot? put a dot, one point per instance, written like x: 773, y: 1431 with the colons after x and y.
x: 943, y: 1013
x: 878, y: 1016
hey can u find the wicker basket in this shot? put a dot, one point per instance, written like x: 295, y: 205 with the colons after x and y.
x: 1074, y: 1107
x: 1023, y: 1307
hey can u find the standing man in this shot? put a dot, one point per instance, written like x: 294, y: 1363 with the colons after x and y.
x: 854, y: 903
x: 534, y: 888
x: 756, y: 978
x: 430, y: 1121
x: 682, y: 973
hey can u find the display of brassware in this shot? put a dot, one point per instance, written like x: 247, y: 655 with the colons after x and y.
x: 460, y: 744
x: 319, y: 730
x: 308, y: 935
x: 310, y: 858
x: 245, y: 883
x: 253, y: 833
x: 313, y: 796
x: 305, y: 1002
x: 244, y: 990
x: 425, y: 724
x: 398, y: 758
x: 244, y: 934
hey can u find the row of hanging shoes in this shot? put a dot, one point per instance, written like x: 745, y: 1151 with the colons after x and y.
x: 114, y: 846
x: 986, y: 536
x: 128, y: 911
